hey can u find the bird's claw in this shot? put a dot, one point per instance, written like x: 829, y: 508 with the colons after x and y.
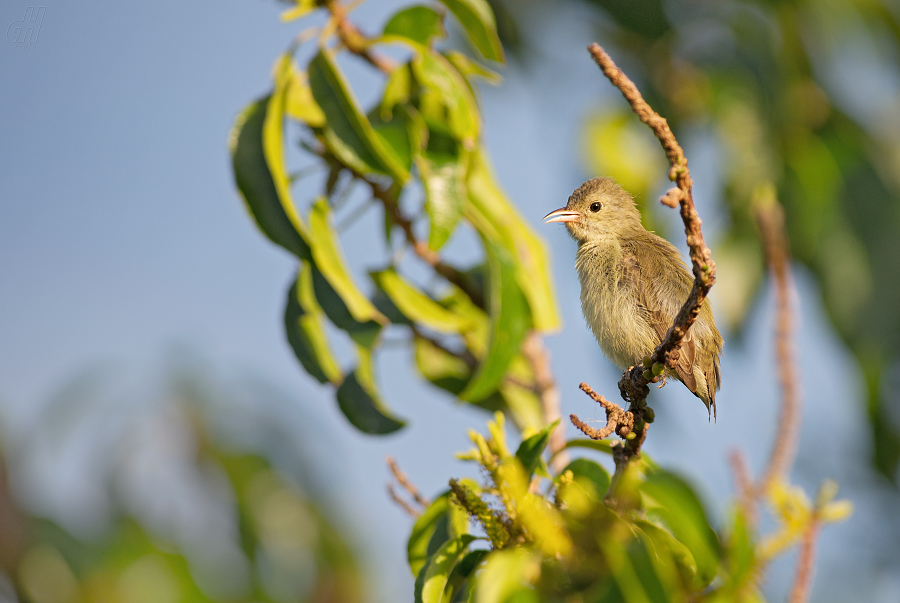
x: 662, y: 381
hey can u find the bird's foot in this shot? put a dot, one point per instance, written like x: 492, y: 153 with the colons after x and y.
x: 662, y: 381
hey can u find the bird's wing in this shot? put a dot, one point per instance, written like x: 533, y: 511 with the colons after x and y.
x: 658, y: 298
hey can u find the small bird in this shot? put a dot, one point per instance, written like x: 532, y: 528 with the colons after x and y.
x: 633, y: 283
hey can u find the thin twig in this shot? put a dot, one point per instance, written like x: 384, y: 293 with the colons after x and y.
x: 771, y: 224
x: 354, y: 40
x: 407, y: 485
x: 806, y: 563
x: 618, y: 420
x: 538, y: 357
x: 744, y: 484
x: 402, y: 503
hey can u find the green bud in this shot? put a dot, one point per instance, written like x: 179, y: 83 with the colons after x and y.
x: 648, y: 374
x: 658, y: 368
x: 649, y: 415
x: 648, y: 361
x: 631, y: 435
x: 639, y: 426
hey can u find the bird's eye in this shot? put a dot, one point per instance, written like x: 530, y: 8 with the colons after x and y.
x: 595, y: 207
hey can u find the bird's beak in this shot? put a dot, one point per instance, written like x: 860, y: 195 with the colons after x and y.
x: 562, y: 215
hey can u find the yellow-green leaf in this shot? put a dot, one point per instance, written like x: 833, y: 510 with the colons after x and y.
x: 496, y: 217
x: 434, y: 71
x: 510, y: 321
x: 305, y: 333
x: 300, y: 102
x: 477, y: 19
x: 348, y: 134
x: 437, y: 572
x: 416, y: 24
x: 417, y: 306
x: 303, y: 8
x: 443, y: 168
x: 330, y: 262
x: 359, y: 401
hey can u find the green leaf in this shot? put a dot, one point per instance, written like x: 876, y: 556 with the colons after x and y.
x: 331, y: 264
x: 530, y: 450
x: 441, y: 368
x: 305, y: 333
x: 510, y: 321
x: 680, y: 509
x: 437, y: 572
x: 443, y: 167
x: 464, y: 570
x: 665, y: 545
x: 423, y: 529
x: 741, y: 552
x: 301, y: 105
x: 303, y: 8
x: 363, y: 333
x: 257, y: 162
x: 397, y: 90
x: 396, y: 137
x: 417, y: 306
x: 416, y: 24
x: 348, y: 134
x: 435, y: 72
x: 604, y: 446
x: 359, y: 401
x: 506, y: 573
x: 491, y: 212
x: 469, y: 68
x: 477, y: 19
x: 591, y: 476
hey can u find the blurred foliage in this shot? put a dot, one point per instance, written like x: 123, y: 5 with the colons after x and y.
x: 417, y: 151
x: 800, y: 94
x: 280, y: 542
x: 643, y: 535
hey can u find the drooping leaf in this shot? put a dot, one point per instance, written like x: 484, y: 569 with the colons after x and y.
x: 364, y: 333
x: 397, y: 90
x: 359, y: 401
x: 495, y: 216
x: 530, y: 450
x: 300, y: 102
x: 464, y: 570
x: 441, y: 368
x: 305, y: 332
x: 477, y: 19
x: 330, y: 262
x: 254, y: 141
x: 416, y: 24
x: 433, y: 71
x: 348, y: 133
x: 510, y: 321
x: 417, y: 306
x: 590, y: 475
x: 468, y: 68
x: 443, y: 167
x: 506, y: 573
x: 423, y: 529
x: 441, y: 564
x: 680, y: 509
x: 302, y: 8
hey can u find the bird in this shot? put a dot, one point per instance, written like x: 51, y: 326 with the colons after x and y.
x: 633, y: 283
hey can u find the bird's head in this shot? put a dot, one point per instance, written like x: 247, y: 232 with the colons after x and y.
x: 598, y: 209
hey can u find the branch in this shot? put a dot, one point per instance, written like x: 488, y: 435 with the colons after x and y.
x: 354, y: 40
x: 618, y: 420
x: 407, y: 485
x: 770, y: 218
x: 633, y: 385
x: 806, y: 563
x: 539, y: 359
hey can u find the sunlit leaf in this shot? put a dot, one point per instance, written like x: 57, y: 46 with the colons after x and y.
x: 348, y: 133
x: 468, y: 68
x: 443, y: 168
x: 447, y: 371
x: 591, y: 476
x: 510, y: 320
x: 364, y: 333
x: 417, y: 306
x: 330, y: 262
x: 496, y: 217
x: 305, y: 332
x: 359, y: 401
x: 300, y: 102
x: 303, y: 8
x: 477, y: 19
x: 416, y: 24
x: 530, y: 450
x: 397, y: 90
x: 678, y: 506
x: 423, y: 530
x: 505, y: 573
x: 257, y: 165
x: 604, y: 446
x: 441, y: 564
x: 435, y: 72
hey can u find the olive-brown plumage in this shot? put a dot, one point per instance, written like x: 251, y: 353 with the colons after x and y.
x: 633, y: 283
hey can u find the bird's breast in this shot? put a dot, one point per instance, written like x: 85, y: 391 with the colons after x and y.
x: 611, y: 308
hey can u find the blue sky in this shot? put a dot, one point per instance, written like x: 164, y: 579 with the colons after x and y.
x: 121, y: 237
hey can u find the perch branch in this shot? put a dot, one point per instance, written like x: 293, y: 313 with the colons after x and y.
x: 354, y: 40
x: 770, y: 218
x: 633, y: 385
